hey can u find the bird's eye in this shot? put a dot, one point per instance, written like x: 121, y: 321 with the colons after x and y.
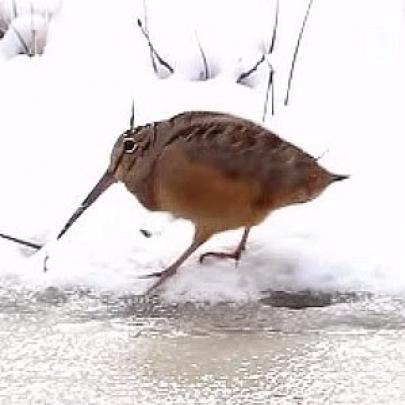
x: 130, y: 145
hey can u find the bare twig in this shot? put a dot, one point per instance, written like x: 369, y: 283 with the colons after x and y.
x: 204, y: 58
x: 145, y: 19
x: 322, y: 155
x: 151, y: 47
x: 253, y: 69
x: 270, y: 82
x: 21, y: 39
x: 15, y: 11
x: 269, y: 85
x: 132, y: 119
x: 296, y: 52
x: 274, y: 35
x: 33, y: 49
x: 271, y: 49
x: 20, y: 241
x: 272, y: 93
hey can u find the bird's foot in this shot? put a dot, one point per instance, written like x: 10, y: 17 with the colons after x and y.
x: 223, y: 255
x: 150, y: 275
x: 163, y: 275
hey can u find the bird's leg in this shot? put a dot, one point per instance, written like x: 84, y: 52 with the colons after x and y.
x: 234, y: 255
x: 199, y: 239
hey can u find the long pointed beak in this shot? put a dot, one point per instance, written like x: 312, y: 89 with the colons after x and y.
x: 106, y: 181
x: 339, y: 177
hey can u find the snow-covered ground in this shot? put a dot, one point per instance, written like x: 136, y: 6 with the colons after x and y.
x: 61, y: 112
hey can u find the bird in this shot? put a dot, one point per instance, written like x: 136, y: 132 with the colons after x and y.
x: 220, y: 171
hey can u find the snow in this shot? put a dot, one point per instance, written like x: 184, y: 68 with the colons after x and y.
x: 24, y: 25
x: 62, y: 111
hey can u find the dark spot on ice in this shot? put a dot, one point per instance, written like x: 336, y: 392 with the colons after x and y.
x: 305, y: 299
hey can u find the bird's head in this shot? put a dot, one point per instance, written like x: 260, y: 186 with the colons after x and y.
x: 127, y: 148
x: 123, y: 157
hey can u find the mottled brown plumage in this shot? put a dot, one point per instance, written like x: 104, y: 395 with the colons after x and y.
x: 217, y: 170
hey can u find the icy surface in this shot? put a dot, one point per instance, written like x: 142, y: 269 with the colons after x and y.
x: 61, y: 112
x: 77, y: 348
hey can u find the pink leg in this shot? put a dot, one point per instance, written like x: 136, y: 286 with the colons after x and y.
x: 234, y: 255
x: 199, y: 239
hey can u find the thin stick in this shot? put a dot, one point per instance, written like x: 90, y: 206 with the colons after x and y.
x: 145, y: 19
x: 203, y: 57
x: 151, y: 47
x: 244, y: 75
x: 20, y: 241
x: 296, y: 52
x: 271, y: 49
x: 132, y: 119
x: 15, y: 12
x: 33, y: 50
x: 269, y: 84
x: 274, y: 35
x: 253, y: 69
x: 272, y: 93
x: 323, y: 154
x: 21, y: 39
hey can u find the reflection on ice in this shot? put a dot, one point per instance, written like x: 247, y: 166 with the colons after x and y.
x: 97, y: 349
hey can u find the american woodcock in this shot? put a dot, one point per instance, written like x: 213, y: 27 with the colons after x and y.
x: 217, y: 170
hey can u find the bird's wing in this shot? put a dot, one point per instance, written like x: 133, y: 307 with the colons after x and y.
x: 236, y: 146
